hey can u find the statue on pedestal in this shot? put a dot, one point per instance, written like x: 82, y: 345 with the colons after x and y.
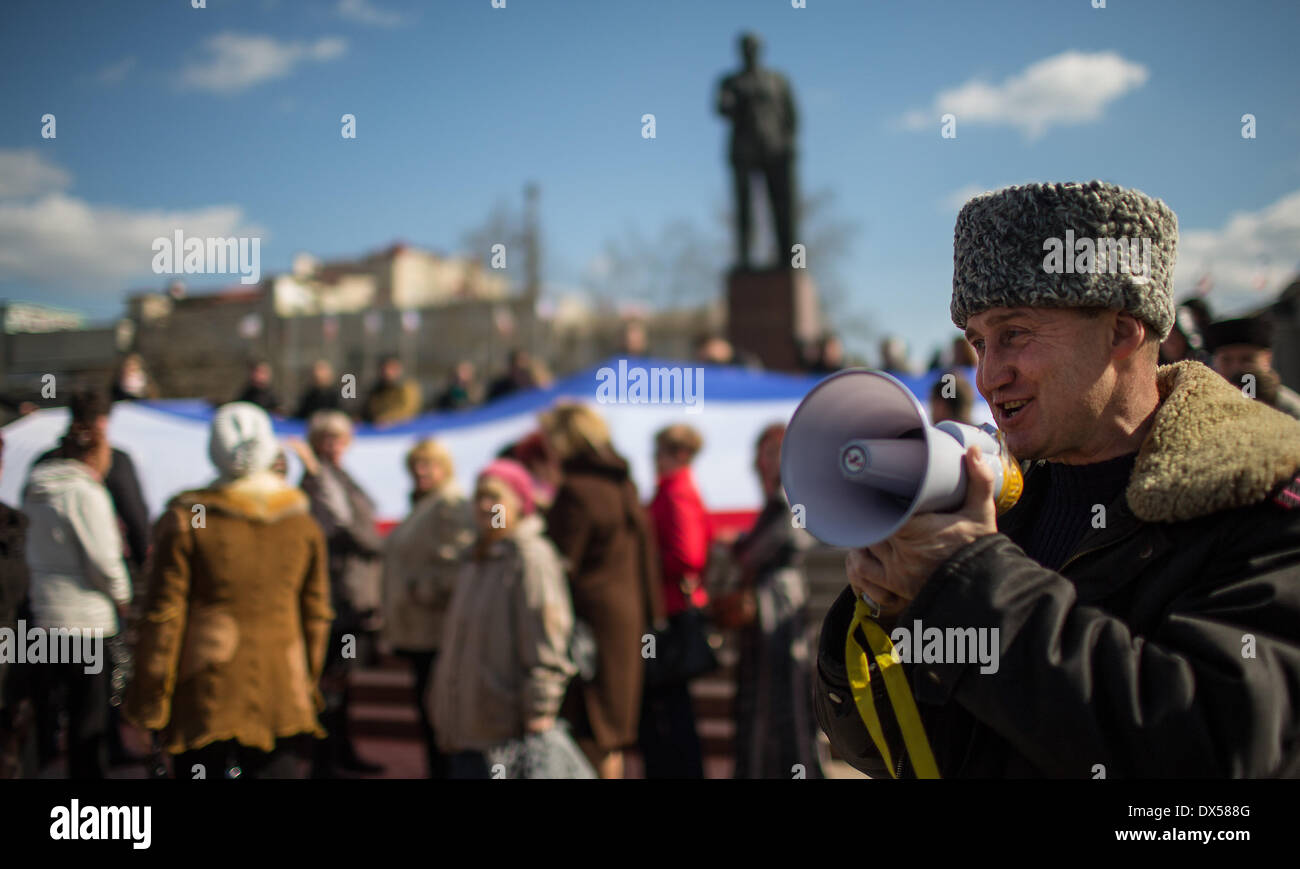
x: 761, y: 108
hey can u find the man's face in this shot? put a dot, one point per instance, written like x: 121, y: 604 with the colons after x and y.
x: 1234, y: 359
x: 427, y: 475
x: 634, y: 339
x: 1046, y: 374
x: 668, y: 460
x: 331, y: 445
x: 495, y: 508
x: 717, y: 351
x: 392, y: 371
x: 322, y: 374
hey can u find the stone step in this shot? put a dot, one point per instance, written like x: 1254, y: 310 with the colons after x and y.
x: 382, y: 710
x: 392, y: 686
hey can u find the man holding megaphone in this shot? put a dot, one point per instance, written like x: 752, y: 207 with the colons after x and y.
x: 1142, y: 595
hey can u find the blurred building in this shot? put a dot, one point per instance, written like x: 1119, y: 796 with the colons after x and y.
x: 430, y: 310
x: 38, y: 340
x: 399, y: 276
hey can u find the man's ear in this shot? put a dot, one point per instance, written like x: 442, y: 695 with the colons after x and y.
x: 1128, y: 334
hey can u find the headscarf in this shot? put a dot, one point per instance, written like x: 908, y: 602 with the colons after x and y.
x: 241, y: 440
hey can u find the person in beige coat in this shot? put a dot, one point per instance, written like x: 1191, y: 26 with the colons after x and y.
x: 504, y: 664
x: 236, y: 617
x: 422, y: 559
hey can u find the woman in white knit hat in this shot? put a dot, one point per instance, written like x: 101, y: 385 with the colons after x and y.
x: 237, y: 615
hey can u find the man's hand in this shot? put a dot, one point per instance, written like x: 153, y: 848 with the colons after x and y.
x: 892, y: 572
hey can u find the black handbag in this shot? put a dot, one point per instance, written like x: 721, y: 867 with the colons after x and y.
x: 682, y: 650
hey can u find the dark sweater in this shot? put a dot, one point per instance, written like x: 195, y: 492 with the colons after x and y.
x: 318, y: 398
x: 1069, y: 506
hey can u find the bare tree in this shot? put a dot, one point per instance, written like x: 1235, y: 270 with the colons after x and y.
x: 679, y: 266
x: 684, y: 264
x: 830, y: 240
x: 504, y: 224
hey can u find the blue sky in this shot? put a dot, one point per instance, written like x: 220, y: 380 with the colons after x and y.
x: 227, y: 119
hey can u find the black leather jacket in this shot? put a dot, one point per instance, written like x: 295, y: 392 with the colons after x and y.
x: 1168, y: 644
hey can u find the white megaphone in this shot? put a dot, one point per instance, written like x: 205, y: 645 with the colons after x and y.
x: 861, y: 457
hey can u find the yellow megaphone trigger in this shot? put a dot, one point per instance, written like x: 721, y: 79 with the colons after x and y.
x: 1013, y: 482
x: 899, y: 692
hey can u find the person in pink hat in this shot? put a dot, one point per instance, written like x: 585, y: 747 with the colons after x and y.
x: 504, y: 665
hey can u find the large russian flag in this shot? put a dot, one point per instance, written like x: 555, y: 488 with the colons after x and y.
x: 169, y: 439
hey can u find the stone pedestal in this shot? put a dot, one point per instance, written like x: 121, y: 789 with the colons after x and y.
x: 771, y: 313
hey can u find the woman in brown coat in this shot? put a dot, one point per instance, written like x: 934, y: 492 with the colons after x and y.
x: 237, y: 615
x: 600, y: 528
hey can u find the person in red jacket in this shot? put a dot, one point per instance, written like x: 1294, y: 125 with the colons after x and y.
x: 670, y: 744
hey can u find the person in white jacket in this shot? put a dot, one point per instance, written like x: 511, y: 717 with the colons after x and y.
x: 79, y: 584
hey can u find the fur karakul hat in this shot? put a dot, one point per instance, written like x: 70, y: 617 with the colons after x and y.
x: 1075, y: 245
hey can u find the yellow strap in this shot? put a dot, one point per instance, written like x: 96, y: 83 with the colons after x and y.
x: 896, y: 688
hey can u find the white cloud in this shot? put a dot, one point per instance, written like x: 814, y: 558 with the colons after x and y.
x: 1068, y: 88
x: 116, y: 73
x: 1249, y: 258
x: 959, y: 197
x: 236, y: 61
x: 954, y: 201
x: 56, y: 240
x: 27, y: 173
x: 368, y: 13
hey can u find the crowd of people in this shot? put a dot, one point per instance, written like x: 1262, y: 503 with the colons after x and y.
x: 393, y: 397
x: 551, y: 616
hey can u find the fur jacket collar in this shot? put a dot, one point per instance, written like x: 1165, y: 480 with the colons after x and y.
x: 261, y: 497
x: 1210, y: 448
